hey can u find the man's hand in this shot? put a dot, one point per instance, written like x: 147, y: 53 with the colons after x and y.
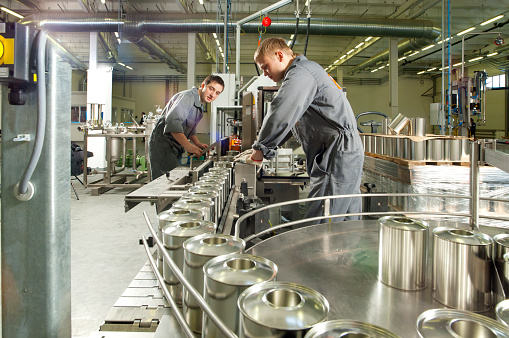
x: 250, y: 156
x: 193, y: 150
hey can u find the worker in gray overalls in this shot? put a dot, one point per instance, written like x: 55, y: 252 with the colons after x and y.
x: 313, y: 106
x: 177, y: 126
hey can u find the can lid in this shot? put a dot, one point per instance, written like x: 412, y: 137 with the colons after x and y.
x: 179, y: 214
x: 193, y: 203
x: 188, y: 228
x: 462, y: 236
x: 240, y: 269
x: 200, y: 194
x: 283, y: 306
x: 208, y: 185
x: 214, y: 245
x: 502, y: 239
x: 502, y: 311
x: 403, y: 223
x: 348, y: 328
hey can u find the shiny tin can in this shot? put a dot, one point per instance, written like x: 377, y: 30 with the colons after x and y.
x: 500, y: 248
x: 367, y: 143
x: 418, y: 126
x: 204, y: 180
x: 435, y: 150
x: 174, y: 236
x: 170, y: 216
x: 462, y: 269
x: 207, y: 196
x: 348, y: 329
x: 417, y: 150
x: 403, y: 252
x: 198, y: 250
x: 280, y: 309
x: 226, y: 277
x: 204, y: 205
x: 502, y: 312
x: 443, y: 323
x: 399, y: 123
x: 210, y: 188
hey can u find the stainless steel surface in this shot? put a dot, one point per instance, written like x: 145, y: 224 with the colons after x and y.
x: 500, y: 248
x: 226, y: 277
x: 276, y: 309
x: 36, y: 234
x: 340, y: 260
x: 215, y: 189
x: 167, y: 217
x: 174, y: 235
x: 462, y: 269
x: 399, y: 123
x: 208, y: 195
x: 417, y: 150
x: 198, y: 204
x: 379, y: 144
x: 367, y: 143
x: 453, y: 150
x: 403, y: 252
x: 198, y: 250
x: 440, y: 323
x: 178, y: 273
x: 474, y: 184
x: 348, y: 329
x: 497, y: 159
x: 502, y: 312
x: 385, y: 125
x: 418, y: 126
x: 435, y: 150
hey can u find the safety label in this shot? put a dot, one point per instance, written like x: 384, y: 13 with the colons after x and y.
x: 4, y: 71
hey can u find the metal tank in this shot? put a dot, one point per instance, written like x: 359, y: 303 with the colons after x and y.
x: 204, y: 205
x: 174, y: 236
x: 226, y: 277
x: 443, y: 323
x: 462, y: 269
x: 280, y: 309
x: 168, y: 217
x: 345, y: 328
x: 115, y: 145
x: 198, y: 250
x: 403, y: 252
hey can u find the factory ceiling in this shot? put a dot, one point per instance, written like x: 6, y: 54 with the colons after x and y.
x: 352, y: 35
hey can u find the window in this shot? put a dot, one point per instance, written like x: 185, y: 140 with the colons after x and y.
x: 78, y: 114
x: 497, y: 81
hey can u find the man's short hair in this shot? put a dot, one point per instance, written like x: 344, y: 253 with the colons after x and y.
x: 272, y: 45
x: 214, y: 78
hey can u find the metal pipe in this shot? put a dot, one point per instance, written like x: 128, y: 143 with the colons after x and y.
x: 149, y: 46
x: 166, y: 292
x: 199, y: 299
x: 266, y: 10
x: 243, y: 217
x: 138, y: 24
x: 474, y: 185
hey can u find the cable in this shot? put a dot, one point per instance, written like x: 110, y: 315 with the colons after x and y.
x: 307, y: 36
x: 296, y: 32
x: 41, y: 113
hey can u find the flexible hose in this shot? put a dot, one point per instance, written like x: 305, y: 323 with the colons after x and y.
x: 41, y: 113
x: 295, y: 34
x: 307, y: 36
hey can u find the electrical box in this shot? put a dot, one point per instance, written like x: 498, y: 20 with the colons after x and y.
x: 435, y: 114
x: 17, y: 60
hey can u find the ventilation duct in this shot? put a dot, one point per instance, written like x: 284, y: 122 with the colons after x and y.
x: 149, y: 46
x: 139, y: 24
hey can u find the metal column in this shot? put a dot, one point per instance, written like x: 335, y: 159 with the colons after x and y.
x: 474, y: 184
x: 36, y: 253
x: 191, y: 59
x: 393, y: 75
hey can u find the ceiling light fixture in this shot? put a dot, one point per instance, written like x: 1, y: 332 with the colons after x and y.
x: 360, y: 44
x: 465, y: 31
x: 103, y: 1
x: 129, y: 67
x: 475, y: 59
x: 368, y: 38
x: 457, y: 64
x: 421, y: 72
x: 7, y: 10
x: 414, y: 53
x: 201, y: 2
x: 214, y: 35
x: 116, y: 34
x: 432, y: 69
x: 222, y: 55
x: 119, y: 41
x: 402, y: 58
x: 350, y: 51
x: 374, y: 70
x: 120, y: 63
x: 492, y: 19
x: 430, y: 46
x: 292, y: 36
x: 344, y: 56
x: 220, y: 49
x: 217, y: 42
x: 492, y: 54
x: 336, y: 61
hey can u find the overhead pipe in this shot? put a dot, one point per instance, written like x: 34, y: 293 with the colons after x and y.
x: 382, y: 57
x: 149, y: 46
x: 139, y: 24
x: 66, y: 55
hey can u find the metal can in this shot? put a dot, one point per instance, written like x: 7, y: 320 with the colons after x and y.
x: 462, y: 269
x: 198, y: 204
x: 198, y: 250
x: 174, y: 235
x: 502, y: 312
x: 348, y: 329
x: 226, y: 277
x: 277, y: 309
x: 403, y: 252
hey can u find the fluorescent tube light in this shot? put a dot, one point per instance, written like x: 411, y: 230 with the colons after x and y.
x: 475, y: 59
x: 465, y: 31
x: 428, y: 47
x: 368, y: 38
x: 7, y: 10
x: 492, y: 19
x: 350, y: 51
x: 359, y: 45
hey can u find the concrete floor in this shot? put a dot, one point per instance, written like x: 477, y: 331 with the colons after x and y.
x: 105, y: 254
